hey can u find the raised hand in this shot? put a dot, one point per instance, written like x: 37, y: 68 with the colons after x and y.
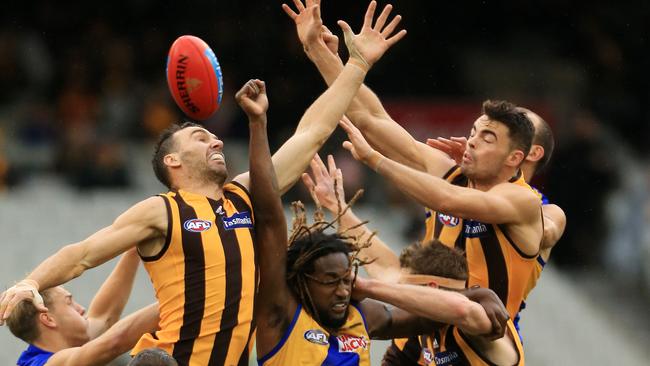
x: 253, y: 100
x: 370, y: 44
x: 358, y: 145
x: 453, y: 146
x: 330, y: 39
x: 307, y: 19
x: 25, y: 290
x: 322, y: 186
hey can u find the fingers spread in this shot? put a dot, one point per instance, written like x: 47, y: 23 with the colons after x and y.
x: 396, y: 38
x: 381, y: 20
x: 299, y: 5
x: 390, y: 28
x: 292, y: 14
x: 370, y: 13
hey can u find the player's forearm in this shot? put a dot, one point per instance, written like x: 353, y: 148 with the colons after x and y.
x: 365, y: 105
x: 429, y: 191
x: 108, y: 304
x: 122, y: 336
x: 319, y: 121
x: 385, y: 265
x: 442, y: 306
x: 264, y: 190
x: 64, y: 265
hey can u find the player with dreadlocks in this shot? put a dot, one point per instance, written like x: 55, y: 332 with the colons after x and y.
x: 304, y: 312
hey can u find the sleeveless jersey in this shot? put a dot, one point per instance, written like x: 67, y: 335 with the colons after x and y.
x: 205, y: 279
x: 537, y: 271
x: 446, y: 347
x: 493, y: 259
x: 34, y: 356
x: 305, y: 342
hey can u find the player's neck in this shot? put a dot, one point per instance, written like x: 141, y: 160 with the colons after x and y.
x: 486, y: 183
x: 209, y: 189
x: 51, y: 342
x: 527, y: 170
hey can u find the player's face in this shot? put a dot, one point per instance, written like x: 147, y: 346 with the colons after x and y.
x: 69, y: 316
x: 488, y: 146
x: 201, y: 152
x: 331, y: 292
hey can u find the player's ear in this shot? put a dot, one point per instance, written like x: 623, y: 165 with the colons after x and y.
x: 172, y: 160
x: 47, y: 320
x: 536, y: 153
x: 515, y: 158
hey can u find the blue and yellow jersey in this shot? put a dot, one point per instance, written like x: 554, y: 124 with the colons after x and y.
x: 305, y: 342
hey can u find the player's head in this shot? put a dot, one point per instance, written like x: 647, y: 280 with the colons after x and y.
x: 434, y: 264
x: 153, y: 357
x: 189, y: 149
x: 543, y: 142
x: 320, y: 273
x: 64, y: 319
x: 498, y: 143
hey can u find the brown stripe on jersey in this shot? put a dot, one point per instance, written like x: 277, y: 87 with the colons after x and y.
x: 496, y: 264
x: 451, y: 171
x: 460, y: 180
x: 230, y: 313
x: 194, y: 285
x: 469, y: 344
x: 241, y: 205
x: 437, y: 225
x: 451, y: 344
x: 168, y: 238
x: 409, y: 354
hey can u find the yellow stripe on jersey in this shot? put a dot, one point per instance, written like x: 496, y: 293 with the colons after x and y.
x: 493, y: 259
x: 205, y: 279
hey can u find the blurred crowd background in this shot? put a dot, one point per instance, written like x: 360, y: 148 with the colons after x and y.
x: 84, y: 95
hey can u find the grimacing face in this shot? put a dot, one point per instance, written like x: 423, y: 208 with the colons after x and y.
x: 488, y: 146
x: 201, y: 152
x: 69, y: 317
x: 332, y: 300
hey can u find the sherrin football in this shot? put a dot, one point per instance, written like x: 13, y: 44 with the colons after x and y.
x: 194, y: 77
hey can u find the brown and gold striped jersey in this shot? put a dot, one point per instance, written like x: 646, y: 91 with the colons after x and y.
x: 205, y: 279
x: 493, y: 258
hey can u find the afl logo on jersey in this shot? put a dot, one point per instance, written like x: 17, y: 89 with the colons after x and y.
x: 197, y: 225
x: 316, y: 336
x: 427, y: 355
x: 448, y: 220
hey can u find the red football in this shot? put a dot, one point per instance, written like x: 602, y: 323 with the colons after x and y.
x: 194, y: 77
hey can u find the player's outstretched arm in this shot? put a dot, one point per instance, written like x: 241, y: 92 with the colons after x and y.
x: 442, y: 306
x: 321, y: 118
x: 146, y: 220
x: 365, y: 110
x: 275, y: 304
x: 118, y: 339
x: 385, y: 264
x: 106, y: 307
x: 505, y: 203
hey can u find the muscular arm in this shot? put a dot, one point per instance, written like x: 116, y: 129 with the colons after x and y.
x: 438, y: 305
x: 108, y: 304
x: 385, y: 265
x: 384, y: 322
x: 314, y: 128
x: 275, y: 303
x: 369, y: 115
x: 554, y: 225
x: 144, y: 221
x: 120, y: 338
